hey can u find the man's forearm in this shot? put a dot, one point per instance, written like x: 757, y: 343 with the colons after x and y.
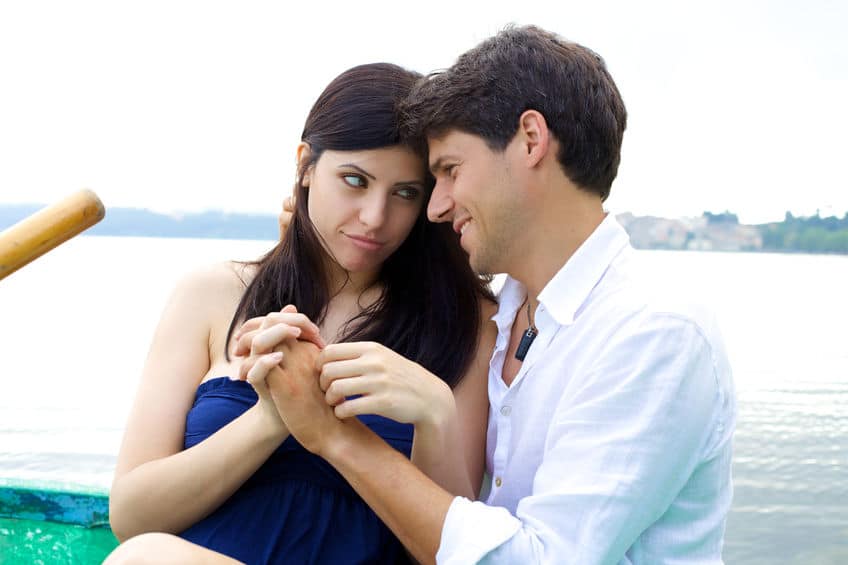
x: 411, y: 505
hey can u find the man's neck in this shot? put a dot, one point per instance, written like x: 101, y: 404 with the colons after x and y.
x: 551, y: 243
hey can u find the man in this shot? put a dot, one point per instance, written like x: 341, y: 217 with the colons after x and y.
x: 611, y: 404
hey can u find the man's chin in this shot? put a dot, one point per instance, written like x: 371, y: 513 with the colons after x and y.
x: 480, y: 266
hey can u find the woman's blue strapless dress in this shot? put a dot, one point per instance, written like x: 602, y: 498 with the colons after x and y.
x: 295, y: 508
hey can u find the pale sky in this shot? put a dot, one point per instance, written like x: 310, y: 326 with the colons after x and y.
x: 196, y: 105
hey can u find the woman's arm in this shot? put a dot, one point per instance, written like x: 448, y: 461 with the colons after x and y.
x: 158, y: 486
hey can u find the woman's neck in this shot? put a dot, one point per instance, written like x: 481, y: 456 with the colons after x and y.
x: 344, y: 306
x: 349, y: 283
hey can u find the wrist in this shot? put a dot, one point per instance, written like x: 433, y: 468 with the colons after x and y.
x: 441, y: 413
x: 346, y: 438
x: 268, y: 427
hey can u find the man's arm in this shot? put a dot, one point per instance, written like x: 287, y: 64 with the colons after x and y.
x: 611, y: 469
x: 412, y: 505
x: 620, y: 448
x: 409, y: 502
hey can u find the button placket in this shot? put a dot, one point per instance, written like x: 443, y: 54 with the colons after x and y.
x: 504, y: 425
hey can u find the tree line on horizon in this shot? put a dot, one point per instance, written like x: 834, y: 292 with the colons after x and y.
x: 811, y: 234
x: 814, y: 234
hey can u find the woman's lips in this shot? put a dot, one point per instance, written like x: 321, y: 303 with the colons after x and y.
x: 365, y: 242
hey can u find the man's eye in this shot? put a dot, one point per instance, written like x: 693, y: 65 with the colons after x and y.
x: 355, y: 181
x: 450, y: 171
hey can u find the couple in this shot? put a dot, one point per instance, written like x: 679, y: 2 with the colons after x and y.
x: 601, y: 408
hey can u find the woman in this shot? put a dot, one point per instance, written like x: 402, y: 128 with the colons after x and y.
x: 208, y: 457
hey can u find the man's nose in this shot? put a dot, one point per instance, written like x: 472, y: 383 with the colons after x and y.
x: 440, y: 207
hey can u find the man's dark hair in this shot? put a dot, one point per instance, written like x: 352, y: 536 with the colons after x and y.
x: 527, y: 68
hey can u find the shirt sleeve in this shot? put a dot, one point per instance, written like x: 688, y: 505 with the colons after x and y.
x: 621, y: 446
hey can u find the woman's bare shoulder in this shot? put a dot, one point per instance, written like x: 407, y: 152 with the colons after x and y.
x: 223, y: 277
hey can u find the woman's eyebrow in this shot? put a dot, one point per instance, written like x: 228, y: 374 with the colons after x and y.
x: 416, y: 182
x: 360, y: 169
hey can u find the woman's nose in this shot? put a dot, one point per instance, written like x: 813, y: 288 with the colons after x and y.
x: 373, y: 212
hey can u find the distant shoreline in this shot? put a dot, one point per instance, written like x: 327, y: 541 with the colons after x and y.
x: 709, y: 232
x: 135, y: 222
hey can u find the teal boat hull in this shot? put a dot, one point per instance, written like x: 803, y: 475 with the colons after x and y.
x: 53, y: 524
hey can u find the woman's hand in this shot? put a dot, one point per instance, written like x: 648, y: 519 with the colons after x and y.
x: 264, y: 333
x: 262, y: 339
x: 386, y: 383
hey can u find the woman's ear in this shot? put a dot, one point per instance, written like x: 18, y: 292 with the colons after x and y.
x: 303, y: 155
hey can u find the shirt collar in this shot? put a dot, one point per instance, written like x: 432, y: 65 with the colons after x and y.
x: 571, y: 285
x: 510, y: 299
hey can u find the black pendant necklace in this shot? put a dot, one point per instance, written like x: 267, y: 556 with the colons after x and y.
x: 527, y: 338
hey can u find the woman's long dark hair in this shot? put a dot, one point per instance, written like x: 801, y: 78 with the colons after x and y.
x: 429, y: 310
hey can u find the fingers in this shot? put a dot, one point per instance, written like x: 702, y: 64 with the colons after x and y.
x: 341, y: 370
x: 256, y: 322
x: 300, y: 327
x: 257, y: 373
x: 358, y: 407
x: 266, y: 320
x: 285, y: 217
x: 289, y: 315
x: 289, y: 203
x: 264, y: 340
x: 340, y: 389
x: 346, y: 360
x: 245, y: 367
x: 350, y: 350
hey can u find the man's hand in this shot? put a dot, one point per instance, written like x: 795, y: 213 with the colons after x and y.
x: 293, y: 385
x: 384, y: 383
x: 285, y: 217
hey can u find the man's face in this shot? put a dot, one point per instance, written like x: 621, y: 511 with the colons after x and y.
x: 474, y: 191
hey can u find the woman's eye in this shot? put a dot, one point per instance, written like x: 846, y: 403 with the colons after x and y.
x: 408, y: 193
x: 355, y: 181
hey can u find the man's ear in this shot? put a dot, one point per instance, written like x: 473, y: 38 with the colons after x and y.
x: 304, y: 152
x: 534, y: 136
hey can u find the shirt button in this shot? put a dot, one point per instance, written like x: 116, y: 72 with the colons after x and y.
x: 506, y: 410
x: 498, y: 481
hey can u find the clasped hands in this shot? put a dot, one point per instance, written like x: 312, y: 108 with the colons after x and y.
x: 315, y: 388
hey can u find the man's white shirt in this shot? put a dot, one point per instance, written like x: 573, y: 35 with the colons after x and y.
x: 613, y: 443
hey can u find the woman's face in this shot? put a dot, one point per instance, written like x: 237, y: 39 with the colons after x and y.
x: 364, y: 203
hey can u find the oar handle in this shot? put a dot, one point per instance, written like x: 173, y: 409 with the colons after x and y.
x: 37, y: 234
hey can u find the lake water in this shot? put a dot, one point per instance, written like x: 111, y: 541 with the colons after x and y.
x: 75, y: 327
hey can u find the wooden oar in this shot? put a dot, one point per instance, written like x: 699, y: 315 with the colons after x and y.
x: 37, y: 234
